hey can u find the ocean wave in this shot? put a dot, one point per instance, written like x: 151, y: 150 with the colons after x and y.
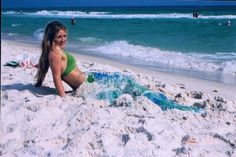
x: 149, y: 55
x: 38, y: 34
x: 15, y: 25
x: 217, y: 56
x: 11, y: 34
x: 108, y: 15
x: 229, y: 67
x: 90, y: 40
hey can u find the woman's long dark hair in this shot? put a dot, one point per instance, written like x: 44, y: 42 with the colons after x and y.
x: 49, y: 35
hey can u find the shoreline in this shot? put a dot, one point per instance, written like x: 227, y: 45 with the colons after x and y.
x: 211, y: 87
x: 224, y: 90
x: 218, y: 77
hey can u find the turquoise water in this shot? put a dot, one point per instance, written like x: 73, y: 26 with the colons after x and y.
x: 163, y: 39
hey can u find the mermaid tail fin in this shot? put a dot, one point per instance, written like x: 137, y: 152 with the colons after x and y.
x: 165, y: 104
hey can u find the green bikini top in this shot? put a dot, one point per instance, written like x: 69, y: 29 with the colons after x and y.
x: 71, y: 64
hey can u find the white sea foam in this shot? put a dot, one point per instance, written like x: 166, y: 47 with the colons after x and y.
x: 218, y: 17
x: 39, y: 34
x: 204, y: 63
x: 90, y: 40
x: 229, y: 67
x: 98, y: 13
x: 10, y: 12
x: 11, y: 34
x: 15, y: 25
x: 108, y: 15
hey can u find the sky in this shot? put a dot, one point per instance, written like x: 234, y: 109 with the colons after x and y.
x: 94, y: 3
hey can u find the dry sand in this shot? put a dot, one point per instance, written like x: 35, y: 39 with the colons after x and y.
x: 37, y: 122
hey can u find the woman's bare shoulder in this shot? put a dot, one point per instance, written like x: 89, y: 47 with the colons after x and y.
x: 55, y: 54
x: 54, y: 58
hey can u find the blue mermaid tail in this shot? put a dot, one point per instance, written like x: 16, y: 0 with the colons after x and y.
x: 118, y: 84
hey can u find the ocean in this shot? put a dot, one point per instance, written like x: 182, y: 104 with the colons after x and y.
x: 166, y: 39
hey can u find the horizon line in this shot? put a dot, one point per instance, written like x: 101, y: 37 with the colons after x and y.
x: 132, y: 6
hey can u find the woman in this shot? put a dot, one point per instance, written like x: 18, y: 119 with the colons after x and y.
x: 62, y: 64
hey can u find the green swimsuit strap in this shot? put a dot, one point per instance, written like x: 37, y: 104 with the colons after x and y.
x: 70, y: 66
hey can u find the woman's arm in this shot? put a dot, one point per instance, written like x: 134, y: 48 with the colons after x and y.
x: 55, y: 65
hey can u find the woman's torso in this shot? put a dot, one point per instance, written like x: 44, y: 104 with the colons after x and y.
x: 74, y: 78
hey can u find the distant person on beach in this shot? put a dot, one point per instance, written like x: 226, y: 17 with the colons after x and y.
x: 61, y: 63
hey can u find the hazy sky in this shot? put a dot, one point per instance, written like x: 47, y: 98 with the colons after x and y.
x: 82, y: 3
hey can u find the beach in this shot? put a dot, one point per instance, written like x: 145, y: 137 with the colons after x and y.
x: 37, y: 122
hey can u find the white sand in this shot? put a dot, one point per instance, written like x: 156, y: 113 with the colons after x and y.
x: 36, y: 122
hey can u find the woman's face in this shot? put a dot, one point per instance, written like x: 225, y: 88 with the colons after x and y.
x: 61, y: 39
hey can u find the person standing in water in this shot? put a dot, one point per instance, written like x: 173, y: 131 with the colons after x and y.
x: 73, y: 21
x: 228, y: 23
x: 195, y: 14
